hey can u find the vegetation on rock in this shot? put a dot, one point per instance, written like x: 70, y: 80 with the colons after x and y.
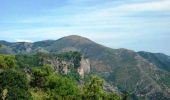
x: 30, y: 77
x: 143, y: 75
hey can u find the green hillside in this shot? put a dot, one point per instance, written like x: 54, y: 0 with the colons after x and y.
x: 33, y: 77
x: 160, y: 60
x: 133, y: 72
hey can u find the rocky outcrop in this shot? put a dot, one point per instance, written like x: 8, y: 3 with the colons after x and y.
x: 84, y: 67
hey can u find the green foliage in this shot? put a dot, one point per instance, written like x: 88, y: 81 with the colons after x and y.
x: 125, y: 95
x: 113, y: 96
x: 7, y: 61
x: 2, y: 63
x: 39, y: 75
x: 74, y: 74
x: 127, y: 67
x: 39, y: 94
x: 64, y: 87
x: 16, y: 85
x: 25, y: 60
x: 44, y: 83
x: 31, y: 60
x: 74, y: 57
x: 61, y: 87
x: 93, y: 89
x: 49, y: 70
x: 57, y: 86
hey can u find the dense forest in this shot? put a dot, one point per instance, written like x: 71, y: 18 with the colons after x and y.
x: 32, y: 77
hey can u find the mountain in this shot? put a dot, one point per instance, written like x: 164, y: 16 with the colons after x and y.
x: 160, y: 60
x: 143, y: 75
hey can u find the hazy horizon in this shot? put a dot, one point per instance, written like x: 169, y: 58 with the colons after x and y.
x: 139, y: 25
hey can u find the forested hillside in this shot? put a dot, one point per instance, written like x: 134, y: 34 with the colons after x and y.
x: 33, y: 77
x: 141, y: 75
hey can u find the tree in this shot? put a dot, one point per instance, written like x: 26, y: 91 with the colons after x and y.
x: 56, y: 86
x: 113, y: 96
x: 7, y: 61
x: 125, y: 95
x: 61, y: 87
x: 93, y: 89
x: 28, y: 60
x: 2, y: 63
x: 14, y: 85
x: 10, y: 61
x: 39, y: 76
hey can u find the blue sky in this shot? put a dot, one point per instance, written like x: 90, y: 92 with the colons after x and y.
x: 132, y: 24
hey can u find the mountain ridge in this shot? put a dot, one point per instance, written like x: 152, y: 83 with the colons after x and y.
x: 4, y: 42
x: 126, y: 69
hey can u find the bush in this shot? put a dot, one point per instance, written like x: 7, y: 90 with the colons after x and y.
x: 93, y: 90
x: 16, y: 85
x: 39, y: 75
x: 61, y: 86
x: 7, y: 61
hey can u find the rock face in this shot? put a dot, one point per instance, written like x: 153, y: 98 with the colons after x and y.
x: 55, y: 63
x: 58, y: 65
x: 145, y: 75
x: 64, y: 66
x: 84, y: 67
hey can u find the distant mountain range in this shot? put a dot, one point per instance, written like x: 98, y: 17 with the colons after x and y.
x: 143, y: 74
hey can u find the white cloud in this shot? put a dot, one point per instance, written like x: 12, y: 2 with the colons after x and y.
x: 98, y: 16
x: 107, y: 24
x: 23, y: 40
x: 161, y: 5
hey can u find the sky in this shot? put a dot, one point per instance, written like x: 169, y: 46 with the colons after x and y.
x: 140, y: 25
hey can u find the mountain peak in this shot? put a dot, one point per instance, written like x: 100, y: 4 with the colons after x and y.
x: 73, y: 36
x: 77, y: 38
